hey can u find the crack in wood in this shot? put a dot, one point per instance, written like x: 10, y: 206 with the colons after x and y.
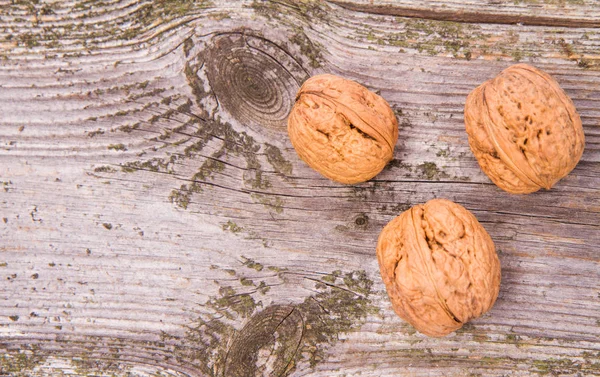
x: 468, y: 16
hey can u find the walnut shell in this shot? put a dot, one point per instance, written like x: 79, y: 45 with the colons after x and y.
x: 341, y: 129
x: 523, y: 129
x: 439, y: 266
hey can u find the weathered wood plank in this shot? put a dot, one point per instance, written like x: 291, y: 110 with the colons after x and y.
x: 155, y: 217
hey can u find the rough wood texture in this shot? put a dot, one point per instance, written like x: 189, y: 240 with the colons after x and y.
x: 155, y: 220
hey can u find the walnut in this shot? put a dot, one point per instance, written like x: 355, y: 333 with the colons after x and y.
x: 523, y: 129
x: 341, y: 129
x: 439, y: 266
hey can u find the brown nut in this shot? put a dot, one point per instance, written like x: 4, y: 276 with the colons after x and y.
x: 341, y: 129
x: 523, y: 129
x: 439, y: 266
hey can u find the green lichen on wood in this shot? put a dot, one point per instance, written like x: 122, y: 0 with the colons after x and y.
x: 337, y: 308
x: 232, y: 304
x: 288, y: 11
x: 257, y: 180
x: 263, y: 288
x: 557, y: 3
x: 577, y: 52
x: 310, y: 49
x: 368, y: 190
x: 331, y: 277
x: 42, y: 33
x: 430, y: 171
x: 178, y: 8
x: 468, y: 41
x: 209, y: 168
x: 274, y: 203
x: 514, y: 339
x: 128, y: 128
x: 91, y: 367
x: 241, y: 326
x: 205, y: 343
x: 232, y: 227
x: 104, y: 169
x: 555, y: 367
x: 450, y: 37
x: 20, y: 364
x: 297, y: 15
x: 276, y: 159
x: 204, y: 127
x: 96, y: 132
x: 443, y: 152
x: 251, y: 263
x: 431, y: 37
x: 154, y: 164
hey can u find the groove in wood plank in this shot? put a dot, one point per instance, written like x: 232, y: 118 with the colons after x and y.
x: 492, y: 15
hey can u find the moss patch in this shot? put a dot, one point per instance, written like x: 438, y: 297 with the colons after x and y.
x: 470, y: 41
x: 276, y: 159
x: 19, y: 364
x: 289, y: 13
x: 117, y: 147
x: 430, y: 37
x: 308, y: 48
x: 250, y: 263
x: 232, y: 227
x: 430, y: 171
x: 337, y: 308
x: 202, y: 128
x: 274, y: 203
x: 276, y: 337
x: 85, y: 36
x: 558, y: 3
x: 104, y: 169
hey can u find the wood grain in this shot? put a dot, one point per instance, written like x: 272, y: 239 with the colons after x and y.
x: 156, y: 221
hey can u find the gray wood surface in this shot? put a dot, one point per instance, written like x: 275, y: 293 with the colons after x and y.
x: 156, y: 221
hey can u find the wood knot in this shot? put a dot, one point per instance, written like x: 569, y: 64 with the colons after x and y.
x: 361, y: 221
x: 267, y: 345
x: 254, y: 79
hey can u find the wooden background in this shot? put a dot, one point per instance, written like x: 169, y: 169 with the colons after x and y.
x: 156, y: 221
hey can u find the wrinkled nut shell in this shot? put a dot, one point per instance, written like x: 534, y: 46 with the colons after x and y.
x: 439, y: 266
x: 341, y: 129
x: 523, y: 129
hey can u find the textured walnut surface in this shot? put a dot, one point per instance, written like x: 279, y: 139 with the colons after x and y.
x: 341, y: 129
x: 523, y: 129
x: 439, y: 266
